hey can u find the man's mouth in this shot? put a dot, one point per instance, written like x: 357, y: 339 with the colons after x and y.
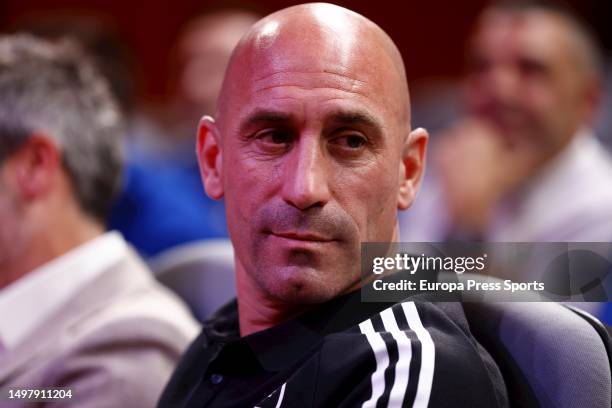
x: 302, y: 236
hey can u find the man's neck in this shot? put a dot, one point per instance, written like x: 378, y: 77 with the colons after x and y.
x: 256, y: 310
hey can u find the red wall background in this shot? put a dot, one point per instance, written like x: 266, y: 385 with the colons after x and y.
x: 430, y: 34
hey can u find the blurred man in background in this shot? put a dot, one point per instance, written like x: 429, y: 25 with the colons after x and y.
x: 163, y: 176
x: 524, y: 164
x: 202, y: 53
x: 79, y: 309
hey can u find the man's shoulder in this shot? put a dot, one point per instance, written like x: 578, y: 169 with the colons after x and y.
x: 127, y: 295
x: 413, y: 323
x: 416, y: 311
x: 412, y: 350
x: 104, y: 338
x: 123, y: 301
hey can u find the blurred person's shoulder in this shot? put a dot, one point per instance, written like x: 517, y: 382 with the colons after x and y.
x: 129, y: 307
x: 114, y: 343
x: 139, y: 296
x: 570, y: 199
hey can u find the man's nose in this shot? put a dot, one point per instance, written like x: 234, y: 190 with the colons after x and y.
x: 504, y: 83
x: 305, y: 181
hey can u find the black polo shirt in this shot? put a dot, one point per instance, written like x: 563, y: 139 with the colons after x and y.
x: 344, y: 353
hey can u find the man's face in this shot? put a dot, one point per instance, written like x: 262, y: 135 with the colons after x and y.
x: 525, y: 79
x: 203, y: 52
x: 311, y: 147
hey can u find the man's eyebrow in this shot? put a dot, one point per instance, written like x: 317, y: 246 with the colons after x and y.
x: 265, y: 116
x: 355, y: 118
x: 341, y: 117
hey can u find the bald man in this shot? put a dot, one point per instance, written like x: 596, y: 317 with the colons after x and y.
x: 312, y: 149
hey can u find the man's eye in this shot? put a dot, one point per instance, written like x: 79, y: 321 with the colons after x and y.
x: 352, y: 141
x: 531, y: 67
x: 355, y: 142
x: 276, y: 137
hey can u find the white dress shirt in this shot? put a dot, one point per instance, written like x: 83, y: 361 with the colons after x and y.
x: 28, y: 302
x: 569, y: 200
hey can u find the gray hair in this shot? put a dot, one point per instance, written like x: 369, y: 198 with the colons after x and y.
x: 52, y: 88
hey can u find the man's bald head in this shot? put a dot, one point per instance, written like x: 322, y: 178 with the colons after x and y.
x: 320, y: 36
x: 312, y: 151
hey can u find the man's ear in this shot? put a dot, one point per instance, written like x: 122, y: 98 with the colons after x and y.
x: 210, y: 157
x: 412, y: 167
x: 35, y: 167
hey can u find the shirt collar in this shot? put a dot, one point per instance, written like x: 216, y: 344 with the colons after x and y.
x: 42, y: 291
x: 282, y: 346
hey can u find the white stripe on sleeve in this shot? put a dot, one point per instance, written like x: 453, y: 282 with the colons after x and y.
x: 382, y: 362
x: 281, y: 395
x: 428, y: 355
x: 402, y: 368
